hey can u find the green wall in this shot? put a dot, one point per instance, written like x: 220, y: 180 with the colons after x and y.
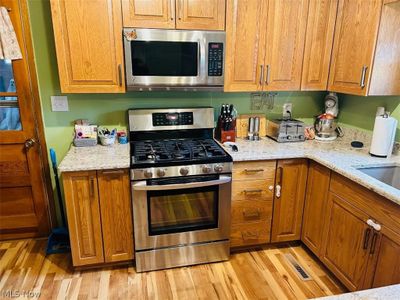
x: 360, y: 111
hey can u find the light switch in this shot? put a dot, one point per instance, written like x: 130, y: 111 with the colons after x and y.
x: 59, y: 103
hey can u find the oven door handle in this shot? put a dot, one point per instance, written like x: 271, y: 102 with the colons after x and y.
x: 141, y: 185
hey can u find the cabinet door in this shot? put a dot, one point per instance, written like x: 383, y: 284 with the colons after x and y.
x: 286, y: 28
x: 245, y: 45
x: 83, y: 211
x: 290, y: 188
x: 88, y: 42
x: 315, y: 207
x: 149, y: 13
x: 200, y: 14
x: 387, y: 270
x: 355, y: 38
x: 346, y: 242
x: 116, y: 214
x: 319, y: 41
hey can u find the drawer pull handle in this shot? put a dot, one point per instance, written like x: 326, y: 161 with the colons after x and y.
x: 366, y: 237
x: 375, y: 226
x: 250, y: 235
x: 113, y: 172
x: 252, y: 214
x: 91, y: 189
x: 254, y: 191
x: 373, y: 243
x: 253, y: 170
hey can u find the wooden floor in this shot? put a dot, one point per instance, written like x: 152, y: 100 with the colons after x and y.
x: 258, y: 274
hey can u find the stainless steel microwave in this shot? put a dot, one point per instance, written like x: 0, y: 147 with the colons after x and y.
x: 159, y: 59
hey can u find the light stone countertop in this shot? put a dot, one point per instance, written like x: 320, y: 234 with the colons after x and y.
x: 96, y: 158
x: 391, y: 292
x: 337, y: 155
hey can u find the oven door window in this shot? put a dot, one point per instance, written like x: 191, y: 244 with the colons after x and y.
x: 182, y: 210
x: 153, y: 58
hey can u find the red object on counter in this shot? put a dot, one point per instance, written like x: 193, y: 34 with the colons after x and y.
x: 226, y: 135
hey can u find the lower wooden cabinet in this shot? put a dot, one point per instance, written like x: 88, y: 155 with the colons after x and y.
x: 252, y: 195
x: 99, y: 214
x: 315, y: 206
x: 290, y: 188
x: 345, y: 249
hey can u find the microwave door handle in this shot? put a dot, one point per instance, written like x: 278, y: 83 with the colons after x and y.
x: 141, y: 185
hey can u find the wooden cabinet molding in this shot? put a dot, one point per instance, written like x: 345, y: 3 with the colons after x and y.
x: 88, y: 39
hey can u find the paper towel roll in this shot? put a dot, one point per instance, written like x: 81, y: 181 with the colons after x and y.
x: 383, y: 136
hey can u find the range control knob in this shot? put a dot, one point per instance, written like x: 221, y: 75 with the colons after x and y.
x: 206, y: 169
x: 218, y: 168
x: 148, y: 174
x: 161, y: 172
x: 184, y: 171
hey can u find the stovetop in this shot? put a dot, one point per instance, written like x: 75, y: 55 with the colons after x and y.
x: 171, y: 152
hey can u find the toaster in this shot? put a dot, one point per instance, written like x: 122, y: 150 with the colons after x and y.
x: 286, y: 130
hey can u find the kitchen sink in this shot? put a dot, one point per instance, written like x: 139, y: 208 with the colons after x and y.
x: 387, y: 174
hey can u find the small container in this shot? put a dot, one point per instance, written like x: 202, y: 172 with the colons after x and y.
x: 123, y: 139
x: 107, y: 140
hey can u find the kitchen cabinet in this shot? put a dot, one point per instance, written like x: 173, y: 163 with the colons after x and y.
x: 366, y: 48
x: 361, y: 241
x: 346, y: 248
x: 318, y: 45
x: 88, y: 44
x: 252, y: 195
x: 315, y: 206
x: 245, y: 45
x: 265, y: 43
x: 171, y: 14
x: 84, y: 222
x: 98, y: 206
x: 200, y: 14
x: 116, y: 214
x: 290, y: 188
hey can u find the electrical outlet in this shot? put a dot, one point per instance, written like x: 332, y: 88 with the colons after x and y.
x: 287, y: 110
x: 59, y: 103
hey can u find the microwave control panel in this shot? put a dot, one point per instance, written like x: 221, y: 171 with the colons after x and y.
x: 215, y: 59
x: 172, y: 119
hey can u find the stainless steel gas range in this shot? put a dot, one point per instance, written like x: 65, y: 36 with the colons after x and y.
x: 181, y: 188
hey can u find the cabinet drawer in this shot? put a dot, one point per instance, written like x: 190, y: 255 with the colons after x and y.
x: 254, y: 233
x: 244, y: 211
x: 252, y: 190
x: 254, y: 170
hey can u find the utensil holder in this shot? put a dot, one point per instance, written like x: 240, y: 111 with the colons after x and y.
x: 226, y: 135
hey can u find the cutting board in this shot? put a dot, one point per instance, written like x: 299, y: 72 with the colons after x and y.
x: 242, y: 125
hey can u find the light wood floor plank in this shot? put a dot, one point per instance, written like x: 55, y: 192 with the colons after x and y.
x: 262, y: 273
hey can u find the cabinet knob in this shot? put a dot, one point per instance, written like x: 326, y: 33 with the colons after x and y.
x: 375, y: 226
x: 278, y: 191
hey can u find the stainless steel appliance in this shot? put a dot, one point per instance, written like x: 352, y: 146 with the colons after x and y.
x: 286, y: 130
x: 160, y: 59
x: 326, y: 128
x: 181, y: 188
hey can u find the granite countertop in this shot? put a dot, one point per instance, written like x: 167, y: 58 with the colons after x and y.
x: 96, y: 158
x: 337, y: 155
x: 383, y: 293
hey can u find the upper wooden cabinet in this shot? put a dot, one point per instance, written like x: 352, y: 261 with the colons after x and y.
x: 170, y: 14
x: 245, y: 45
x: 286, y: 28
x: 265, y: 43
x: 366, y: 52
x: 200, y: 14
x: 149, y: 13
x: 290, y: 188
x: 88, y: 39
x: 319, y: 42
